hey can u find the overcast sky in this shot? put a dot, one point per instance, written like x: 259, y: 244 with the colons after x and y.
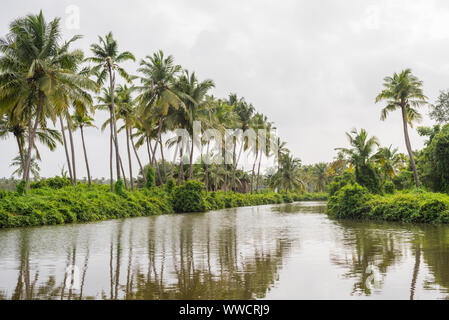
x: 313, y: 67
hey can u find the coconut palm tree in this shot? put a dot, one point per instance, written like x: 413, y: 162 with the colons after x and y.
x: 390, y: 161
x: 287, y: 176
x: 34, y: 167
x: 157, y: 93
x: 404, y: 91
x: 362, y: 147
x: 107, y: 58
x: 82, y: 121
x: 193, y: 94
x: 33, y: 78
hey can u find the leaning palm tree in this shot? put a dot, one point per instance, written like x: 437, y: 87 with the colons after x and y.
x: 107, y: 58
x: 404, y: 91
x: 82, y: 121
x: 32, y: 74
x: 287, y: 176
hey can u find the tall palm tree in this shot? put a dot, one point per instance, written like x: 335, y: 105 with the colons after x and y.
x: 157, y: 93
x: 404, y: 91
x: 126, y: 112
x: 33, y: 77
x: 82, y: 121
x: 193, y: 94
x: 107, y: 59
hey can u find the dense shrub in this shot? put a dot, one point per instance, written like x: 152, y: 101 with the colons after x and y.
x: 51, y: 205
x: 119, y: 188
x: 170, y: 185
x: 189, y: 197
x: 21, y: 187
x: 54, y: 183
x: 416, y: 206
x: 349, y: 202
x: 367, y: 176
x: 150, y: 177
x: 389, y: 187
x: 340, y: 181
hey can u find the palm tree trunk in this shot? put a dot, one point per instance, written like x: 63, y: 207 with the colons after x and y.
x: 32, y: 135
x: 234, y: 165
x: 150, y: 160
x: 129, y: 159
x: 172, y: 170
x: 253, y: 171
x: 163, y: 159
x: 258, y: 171
x: 113, y: 120
x: 111, y: 171
x: 123, y: 173
x: 159, y: 141
x: 408, y: 145
x: 22, y: 160
x: 181, y: 165
x: 89, y: 179
x: 207, y: 168
x: 138, y: 159
x: 191, y: 162
x: 156, y: 165
x: 69, y: 166
x: 216, y: 177
x: 72, y: 147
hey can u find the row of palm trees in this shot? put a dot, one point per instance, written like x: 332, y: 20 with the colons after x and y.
x: 42, y: 81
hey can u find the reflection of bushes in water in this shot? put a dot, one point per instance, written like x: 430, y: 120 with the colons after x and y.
x: 435, y: 249
x: 299, y: 207
x: 384, y: 244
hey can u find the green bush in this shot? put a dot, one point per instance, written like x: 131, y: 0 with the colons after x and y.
x: 189, y: 197
x: 150, y: 177
x: 417, y: 206
x: 54, y: 183
x: 170, y: 185
x: 340, y: 181
x: 349, y: 202
x: 21, y: 187
x: 119, y: 188
x: 368, y: 177
x: 389, y: 187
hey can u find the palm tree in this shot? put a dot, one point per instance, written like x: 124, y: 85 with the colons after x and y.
x: 107, y: 58
x: 126, y: 112
x: 404, y: 91
x: 157, y: 93
x: 33, y: 75
x: 34, y: 167
x: 390, y: 161
x: 82, y: 121
x: 193, y: 93
x: 287, y: 177
x: 244, y: 112
x: 362, y: 147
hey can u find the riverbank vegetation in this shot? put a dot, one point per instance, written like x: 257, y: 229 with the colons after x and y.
x: 382, y: 184
x: 55, y: 201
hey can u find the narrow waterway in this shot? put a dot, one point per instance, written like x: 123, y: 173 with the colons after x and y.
x: 291, y: 251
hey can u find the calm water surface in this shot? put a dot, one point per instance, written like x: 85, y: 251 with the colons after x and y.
x: 268, y: 252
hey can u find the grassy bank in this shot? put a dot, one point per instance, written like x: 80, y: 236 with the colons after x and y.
x: 417, y: 206
x: 54, y: 202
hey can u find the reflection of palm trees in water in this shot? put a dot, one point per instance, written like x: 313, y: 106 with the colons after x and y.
x: 369, y: 244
